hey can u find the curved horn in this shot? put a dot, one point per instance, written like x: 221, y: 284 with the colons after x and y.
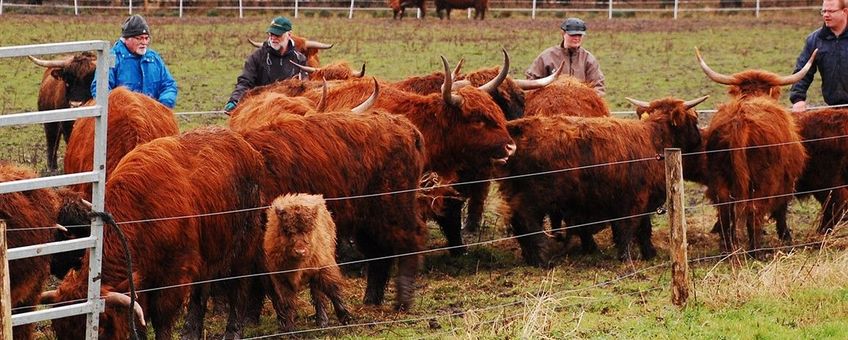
x: 715, y: 76
x: 305, y: 68
x: 49, y: 63
x: 322, y: 104
x: 255, y: 44
x: 449, y: 98
x: 460, y: 84
x: 493, y: 84
x: 317, y: 45
x: 87, y: 204
x: 359, y: 74
x: 49, y: 297
x: 458, y: 67
x: 124, y: 300
x: 541, y: 82
x: 793, y: 78
x: 691, y: 103
x: 368, y: 103
x: 60, y: 227
x: 638, y: 103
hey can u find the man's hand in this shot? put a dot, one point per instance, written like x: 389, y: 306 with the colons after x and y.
x: 799, y: 107
x: 229, y: 107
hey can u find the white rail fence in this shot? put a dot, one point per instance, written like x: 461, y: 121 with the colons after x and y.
x: 611, y: 7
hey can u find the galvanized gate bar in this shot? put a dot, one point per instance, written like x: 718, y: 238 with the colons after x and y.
x: 56, y: 312
x: 66, y: 47
x: 45, y: 182
x: 49, y: 116
x: 49, y: 248
x: 93, y: 306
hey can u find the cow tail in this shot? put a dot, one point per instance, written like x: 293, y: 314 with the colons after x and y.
x: 739, y: 163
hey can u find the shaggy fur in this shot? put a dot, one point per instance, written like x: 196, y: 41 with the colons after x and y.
x: 199, y: 172
x: 255, y: 111
x: 24, y: 210
x: 300, y: 239
x: 343, y: 155
x: 566, y: 96
x: 339, y: 70
x: 751, y: 120
x: 60, y: 87
x: 828, y: 162
x: 595, y: 193
x: 134, y: 119
x: 460, y: 140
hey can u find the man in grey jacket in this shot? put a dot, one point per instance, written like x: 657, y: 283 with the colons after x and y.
x: 269, y: 63
x: 579, y: 63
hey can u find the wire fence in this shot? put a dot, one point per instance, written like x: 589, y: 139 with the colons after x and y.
x: 611, y: 7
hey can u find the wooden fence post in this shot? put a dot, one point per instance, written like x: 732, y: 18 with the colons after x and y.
x: 5, y: 289
x: 677, y: 223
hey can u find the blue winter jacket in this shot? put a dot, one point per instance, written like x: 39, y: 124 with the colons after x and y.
x: 831, y: 62
x: 145, y: 74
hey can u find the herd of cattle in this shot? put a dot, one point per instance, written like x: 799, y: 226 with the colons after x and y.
x: 301, y: 147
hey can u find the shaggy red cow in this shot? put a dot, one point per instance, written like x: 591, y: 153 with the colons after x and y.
x: 29, y: 216
x: 464, y: 130
x: 66, y: 84
x: 594, y: 193
x: 134, y: 119
x: 566, y: 96
x: 205, y: 171
x: 823, y: 132
x: 749, y: 180
x: 300, y: 241
x: 340, y: 155
x: 399, y: 7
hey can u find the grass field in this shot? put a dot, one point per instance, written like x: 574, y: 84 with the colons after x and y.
x: 490, y: 293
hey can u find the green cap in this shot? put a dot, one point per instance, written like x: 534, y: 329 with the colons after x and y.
x: 279, y: 26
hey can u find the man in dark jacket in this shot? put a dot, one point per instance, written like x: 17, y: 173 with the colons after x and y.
x: 831, y: 61
x: 271, y: 62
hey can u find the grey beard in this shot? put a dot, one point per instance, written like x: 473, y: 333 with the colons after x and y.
x: 275, y: 46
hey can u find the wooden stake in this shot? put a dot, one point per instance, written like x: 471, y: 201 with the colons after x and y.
x: 677, y: 222
x: 5, y: 289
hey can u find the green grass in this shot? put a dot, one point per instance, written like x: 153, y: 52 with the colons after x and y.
x: 490, y: 293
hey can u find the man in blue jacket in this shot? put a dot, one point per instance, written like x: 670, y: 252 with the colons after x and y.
x: 139, y: 68
x: 831, y: 61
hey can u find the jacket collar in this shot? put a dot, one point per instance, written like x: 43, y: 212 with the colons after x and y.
x: 124, y: 52
x: 826, y: 34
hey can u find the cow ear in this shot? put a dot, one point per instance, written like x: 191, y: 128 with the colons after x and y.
x: 56, y: 73
x: 515, y: 130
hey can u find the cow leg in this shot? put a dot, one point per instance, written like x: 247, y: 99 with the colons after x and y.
x: 239, y: 295
x: 783, y: 230
x: 451, y: 225
x: 377, y: 279
x: 755, y: 234
x: 534, y: 247
x: 255, y: 299
x: 283, y: 299
x: 408, y: 267
x: 168, y: 304
x: 834, y: 207
x: 622, y: 236
x: 328, y: 282
x: 195, y: 312
x: 476, y: 201
x: 321, y: 319
x: 643, y: 235
x: 51, y: 132
x: 728, y: 229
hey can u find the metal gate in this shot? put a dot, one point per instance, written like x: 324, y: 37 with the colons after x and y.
x: 93, y: 305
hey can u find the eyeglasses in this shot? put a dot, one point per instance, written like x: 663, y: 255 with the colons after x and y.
x: 829, y: 11
x: 141, y: 37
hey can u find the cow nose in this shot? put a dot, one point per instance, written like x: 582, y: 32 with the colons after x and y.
x: 300, y: 252
x: 510, y: 149
x: 76, y: 104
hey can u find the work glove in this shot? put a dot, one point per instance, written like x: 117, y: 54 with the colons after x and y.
x: 229, y: 107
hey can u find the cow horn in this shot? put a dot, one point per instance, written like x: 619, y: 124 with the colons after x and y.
x: 305, y: 68
x: 49, y: 297
x: 317, y: 45
x: 49, y: 63
x: 368, y: 103
x: 691, y: 103
x: 87, y: 204
x: 460, y: 84
x: 493, y: 84
x: 638, y: 103
x: 255, y: 44
x: 450, y: 98
x: 541, y: 82
x: 458, y: 67
x: 359, y: 74
x: 322, y: 104
x: 793, y: 78
x: 715, y: 76
x: 123, y: 300
x: 60, y: 227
